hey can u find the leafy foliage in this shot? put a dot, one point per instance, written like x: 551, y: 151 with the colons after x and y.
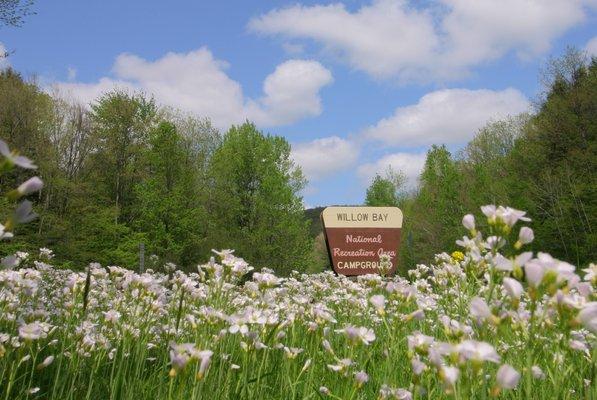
x: 544, y: 163
x: 125, y: 173
x: 255, y: 204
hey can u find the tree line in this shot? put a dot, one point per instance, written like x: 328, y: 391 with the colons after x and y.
x: 125, y: 172
x: 544, y: 163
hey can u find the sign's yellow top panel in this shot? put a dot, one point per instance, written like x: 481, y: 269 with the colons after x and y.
x: 362, y: 217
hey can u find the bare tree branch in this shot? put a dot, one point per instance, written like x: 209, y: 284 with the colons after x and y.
x: 13, y: 12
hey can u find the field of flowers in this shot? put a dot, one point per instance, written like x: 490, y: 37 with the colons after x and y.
x: 487, y: 321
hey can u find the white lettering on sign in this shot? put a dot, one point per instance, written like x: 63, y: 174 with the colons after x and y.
x: 358, y: 265
x: 353, y: 253
x: 391, y: 253
x: 361, y: 217
x: 363, y: 239
x: 364, y: 217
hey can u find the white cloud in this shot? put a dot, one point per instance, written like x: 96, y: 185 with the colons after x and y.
x: 197, y: 82
x: 449, y: 116
x: 324, y: 157
x: 382, y: 39
x: 71, y: 73
x: 483, y: 30
x: 411, y: 164
x: 88, y: 92
x: 591, y: 47
x: 392, y: 38
x: 3, y: 57
x: 291, y: 92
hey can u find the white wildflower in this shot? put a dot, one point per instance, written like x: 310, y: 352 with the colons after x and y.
x: 306, y: 365
x: 31, y: 185
x: 478, y: 351
x: 14, y: 158
x: 354, y: 334
x: 525, y: 236
x: 534, y: 272
x: 479, y: 309
x: 537, y: 372
x: 112, y: 316
x: 32, y: 331
x: 361, y: 378
x: 469, y: 222
x: 46, y: 362
x: 205, y: 357
x: 506, y: 215
x: 505, y: 264
x: 266, y: 279
x: 46, y: 253
x: 417, y: 366
x: 419, y: 342
x: 324, y: 390
x: 513, y: 288
x: 342, y: 365
x: 449, y: 375
x: 386, y: 392
x: 379, y: 302
x: 590, y: 273
x: 588, y: 316
x: 578, y: 346
x: 4, y: 234
x: 507, y: 377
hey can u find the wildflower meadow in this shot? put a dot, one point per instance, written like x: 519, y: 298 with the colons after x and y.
x: 129, y: 161
x: 487, y: 321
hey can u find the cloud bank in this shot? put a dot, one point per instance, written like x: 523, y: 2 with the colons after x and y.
x: 450, y: 116
x: 324, y: 157
x: 439, y: 41
x: 197, y: 82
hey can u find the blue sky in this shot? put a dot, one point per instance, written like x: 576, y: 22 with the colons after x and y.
x: 354, y: 86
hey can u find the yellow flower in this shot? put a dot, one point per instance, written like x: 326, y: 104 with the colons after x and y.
x: 457, y: 256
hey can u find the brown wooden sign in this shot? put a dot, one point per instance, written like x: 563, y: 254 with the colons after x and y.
x: 359, y: 238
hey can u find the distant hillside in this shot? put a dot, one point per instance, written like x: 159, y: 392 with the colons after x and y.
x: 312, y: 214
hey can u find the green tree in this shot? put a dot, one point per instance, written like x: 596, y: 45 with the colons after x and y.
x: 553, y: 167
x: 94, y: 236
x: 432, y: 220
x: 255, y: 205
x: 483, y: 161
x: 121, y: 122
x: 386, y: 190
x: 170, y: 212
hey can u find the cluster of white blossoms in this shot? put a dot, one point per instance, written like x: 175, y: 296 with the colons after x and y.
x: 485, y: 321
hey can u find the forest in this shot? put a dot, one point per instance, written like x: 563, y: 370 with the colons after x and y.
x: 124, y: 171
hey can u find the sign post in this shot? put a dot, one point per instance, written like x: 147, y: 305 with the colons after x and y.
x: 141, y: 257
x: 362, y: 240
